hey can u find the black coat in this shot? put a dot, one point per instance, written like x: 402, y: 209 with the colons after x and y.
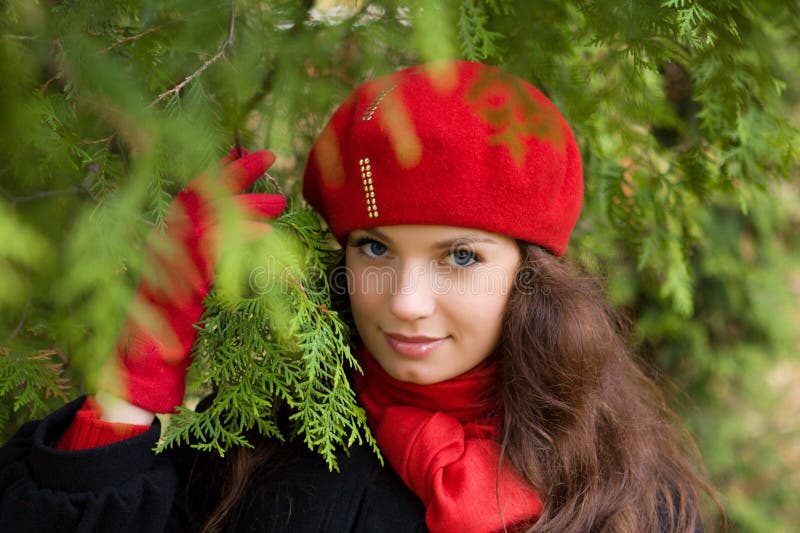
x: 126, y: 487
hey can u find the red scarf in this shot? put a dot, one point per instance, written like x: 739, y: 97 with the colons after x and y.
x: 441, y: 440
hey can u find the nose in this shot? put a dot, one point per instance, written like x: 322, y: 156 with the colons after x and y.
x: 414, y: 297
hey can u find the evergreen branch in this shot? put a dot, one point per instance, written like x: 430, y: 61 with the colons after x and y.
x: 274, y: 183
x: 477, y: 42
x: 282, y: 349
x: 227, y: 43
x: 130, y: 38
x: 43, y: 87
x: 30, y: 379
x: 14, y: 200
x: 105, y: 140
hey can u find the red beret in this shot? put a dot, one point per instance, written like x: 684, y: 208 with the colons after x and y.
x: 453, y: 143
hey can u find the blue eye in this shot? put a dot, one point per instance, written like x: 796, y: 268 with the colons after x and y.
x: 463, y: 257
x: 372, y: 248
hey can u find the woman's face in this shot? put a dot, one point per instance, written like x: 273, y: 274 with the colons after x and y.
x: 428, y: 301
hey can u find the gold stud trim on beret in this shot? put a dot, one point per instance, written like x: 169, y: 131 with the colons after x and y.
x: 373, y: 105
x: 365, y: 166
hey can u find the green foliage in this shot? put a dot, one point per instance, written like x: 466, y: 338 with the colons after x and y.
x: 29, y: 380
x: 279, y: 347
x: 685, y: 110
x: 477, y: 42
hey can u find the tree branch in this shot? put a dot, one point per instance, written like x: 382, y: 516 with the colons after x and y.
x: 216, y: 57
x: 14, y: 200
x: 43, y: 87
x: 129, y: 39
x: 20, y: 37
x: 98, y: 141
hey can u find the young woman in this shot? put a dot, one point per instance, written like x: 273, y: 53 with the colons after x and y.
x: 496, y: 380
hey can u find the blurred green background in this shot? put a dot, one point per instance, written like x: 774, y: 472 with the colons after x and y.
x: 686, y: 113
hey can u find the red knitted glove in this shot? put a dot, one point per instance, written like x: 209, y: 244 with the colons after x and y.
x: 454, y: 472
x: 153, y: 349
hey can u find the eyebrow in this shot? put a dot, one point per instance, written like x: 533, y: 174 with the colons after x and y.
x: 378, y: 233
x: 445, y: 243
x: 464, y: 239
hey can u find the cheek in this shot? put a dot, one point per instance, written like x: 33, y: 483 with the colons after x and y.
x: 481, y: 302
x: 487, y: 287
x: 355, y: 289
x: 366, y: 287
x: 359, y: 304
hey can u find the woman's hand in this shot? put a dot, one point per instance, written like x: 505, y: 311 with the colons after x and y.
x: 152, y: 352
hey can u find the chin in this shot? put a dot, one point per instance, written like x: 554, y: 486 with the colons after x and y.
x: 406, y: 374
x: 417, y: 377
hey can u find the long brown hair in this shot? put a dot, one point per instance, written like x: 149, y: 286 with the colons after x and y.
x: 582, y: 423
x: 215, y: 485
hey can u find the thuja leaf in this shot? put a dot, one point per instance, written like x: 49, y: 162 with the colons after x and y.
x: 30, y: 379
x: 277, y: 358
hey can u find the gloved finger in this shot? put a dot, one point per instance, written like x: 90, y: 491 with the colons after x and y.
x: 261, y: 205
x: 241, y: 173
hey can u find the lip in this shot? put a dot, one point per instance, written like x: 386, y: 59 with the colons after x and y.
x: 413, y: 346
